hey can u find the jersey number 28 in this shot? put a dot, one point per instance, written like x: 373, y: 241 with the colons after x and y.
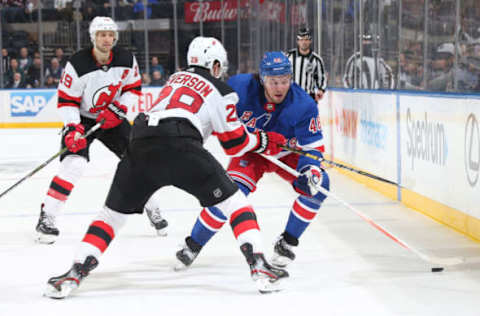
x: 183, y: 97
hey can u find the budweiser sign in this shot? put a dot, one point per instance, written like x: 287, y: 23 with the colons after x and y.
x: 213, y: 11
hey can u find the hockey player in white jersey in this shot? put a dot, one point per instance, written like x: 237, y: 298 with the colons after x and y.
x: 97, y: 82
x: 166, y: 148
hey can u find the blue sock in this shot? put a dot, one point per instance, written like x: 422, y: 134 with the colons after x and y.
x: 296, y: 226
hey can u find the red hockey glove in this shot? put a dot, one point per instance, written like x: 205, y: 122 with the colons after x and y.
x: 73, y: 139
x: 113, y: 115
x: 268, y: 143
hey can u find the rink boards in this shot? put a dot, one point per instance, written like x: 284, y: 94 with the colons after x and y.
x: 38, y: 108
x: 428, y: 144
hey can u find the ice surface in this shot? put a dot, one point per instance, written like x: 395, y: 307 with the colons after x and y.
x: 343, y: 266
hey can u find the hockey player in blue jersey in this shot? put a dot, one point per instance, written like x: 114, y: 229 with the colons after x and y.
x: 269, y: 101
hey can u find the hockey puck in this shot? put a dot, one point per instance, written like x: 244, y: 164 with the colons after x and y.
x: 437, y: 269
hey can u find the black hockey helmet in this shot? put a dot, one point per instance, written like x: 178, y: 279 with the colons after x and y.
x: 304, y: 32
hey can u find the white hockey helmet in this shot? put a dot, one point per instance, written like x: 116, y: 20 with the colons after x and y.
x: 204, y: 51
x: 102, y: 23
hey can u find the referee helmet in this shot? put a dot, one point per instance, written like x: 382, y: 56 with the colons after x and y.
x: 305, y: 33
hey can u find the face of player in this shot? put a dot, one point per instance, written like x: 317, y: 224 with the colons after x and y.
x: 104, y: 41
x: 276, y: 87
x: 304, y: 45
x: 216, y: 70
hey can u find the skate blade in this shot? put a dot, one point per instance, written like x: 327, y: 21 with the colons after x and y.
x: 266, y: 286
x: 65, y: 289
x: 45, y: 239
x: 162, y: 232
x: 179, y: 266
x: 280, y: 261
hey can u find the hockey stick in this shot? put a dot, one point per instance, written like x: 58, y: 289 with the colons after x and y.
x: 63, y: 150
x: 309, y: 155
x: 428, y: 258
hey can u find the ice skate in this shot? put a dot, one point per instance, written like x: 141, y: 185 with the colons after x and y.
x: 157, y: 221
x: 63, y: 285
x: 47, y: 233
x: 267, y: 278
x: 282, y: 253
x: 187, y: 254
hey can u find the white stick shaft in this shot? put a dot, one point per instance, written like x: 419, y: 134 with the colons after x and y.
x: 431, y: 259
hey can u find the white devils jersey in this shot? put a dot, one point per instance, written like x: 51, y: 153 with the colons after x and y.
x: 209, y: 104
x: 86, y: 87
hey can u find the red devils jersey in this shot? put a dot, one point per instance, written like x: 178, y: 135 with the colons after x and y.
x: 209, y: 104
x: 86, y: 87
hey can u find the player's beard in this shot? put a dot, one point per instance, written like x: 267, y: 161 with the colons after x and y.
x: 104, y: 49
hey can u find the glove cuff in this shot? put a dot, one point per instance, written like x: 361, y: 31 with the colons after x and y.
x: 74, y: 127
x: 262, y: 142
x: 306, y: 167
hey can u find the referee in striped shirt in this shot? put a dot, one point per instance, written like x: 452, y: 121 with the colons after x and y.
x: 308, y: 67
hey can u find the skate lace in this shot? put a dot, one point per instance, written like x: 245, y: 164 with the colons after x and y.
x: 186, y: 251
x: 155, y: 215
x: 282, y: 243
x: 48, y: 220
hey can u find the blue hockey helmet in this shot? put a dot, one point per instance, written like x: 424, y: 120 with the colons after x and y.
x: 275, y: 64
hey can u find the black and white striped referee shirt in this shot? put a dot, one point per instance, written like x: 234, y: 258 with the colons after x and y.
x: 364, y: 75
x: 308, y: 71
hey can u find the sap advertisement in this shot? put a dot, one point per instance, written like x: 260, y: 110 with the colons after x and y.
x: 40, y: 106
x: 440, y: 149
x: 29, y: 105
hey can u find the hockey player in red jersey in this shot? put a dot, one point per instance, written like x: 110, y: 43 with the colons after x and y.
x: 269, y: 101
x: 98, y: 84
x: 166, y: 148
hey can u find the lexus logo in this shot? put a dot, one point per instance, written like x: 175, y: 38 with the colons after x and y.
x: 472, y: 149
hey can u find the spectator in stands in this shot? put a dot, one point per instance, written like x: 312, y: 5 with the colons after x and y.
x: 11, y: 71
x: 13, y: 11
x: 34, y: 74
x: 157, y: 79
x: 5, y: 60
x: 64, y: 9
x: 412, y: 14
x: 50, y: 82
x: 138, y: 9
x: 408, y: 78
x: 154, y: 65
x: 29, y: 8
x: 17, y: 82
x: 146, y: 80
x: 24, y: 61
x: 442, y: 75
x: 61, y: 57
x: 88, y: 11
x: 469, y: 74
x: 54, y: 70
x: 125, y: 9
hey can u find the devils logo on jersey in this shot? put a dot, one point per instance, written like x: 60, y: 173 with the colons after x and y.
x: 104, y: 96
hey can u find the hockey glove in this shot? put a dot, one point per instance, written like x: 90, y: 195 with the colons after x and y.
x: 73, y: 139
x: 268, y: 143
x: 113, y: 115
x: 309, y: 181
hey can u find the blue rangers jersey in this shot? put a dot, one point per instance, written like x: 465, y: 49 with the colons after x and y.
x: 296, y: 117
